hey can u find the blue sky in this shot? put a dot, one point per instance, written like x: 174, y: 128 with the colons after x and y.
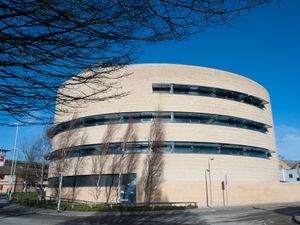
x: 264, y: 46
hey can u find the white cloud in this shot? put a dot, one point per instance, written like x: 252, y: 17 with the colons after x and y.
x: 288, y: 141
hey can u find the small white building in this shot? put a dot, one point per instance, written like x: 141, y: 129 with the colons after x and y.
x: 290, y: 171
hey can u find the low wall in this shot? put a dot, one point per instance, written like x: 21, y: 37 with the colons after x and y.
x: 234, y: 194
x: 263, y: 193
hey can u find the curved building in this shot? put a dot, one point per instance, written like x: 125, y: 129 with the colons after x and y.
x: 218, y: 144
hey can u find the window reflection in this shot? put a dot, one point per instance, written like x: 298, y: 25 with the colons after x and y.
x: 209, y: 92
x: 170, y: 147
x: 172, y: 117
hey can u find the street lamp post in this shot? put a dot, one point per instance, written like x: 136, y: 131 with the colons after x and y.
x: 14, y: 161
x: 42, y: 172
x: 298, y: 172
x: 61, y: 174
x: 210, y: 187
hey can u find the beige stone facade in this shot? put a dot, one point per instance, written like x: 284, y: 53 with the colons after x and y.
x: 17, y: 186
x: 245, y: 179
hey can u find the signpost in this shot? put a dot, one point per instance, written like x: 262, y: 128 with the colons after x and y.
x: 2, y: 159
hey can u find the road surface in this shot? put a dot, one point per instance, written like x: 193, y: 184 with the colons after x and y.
x: 279, y: 214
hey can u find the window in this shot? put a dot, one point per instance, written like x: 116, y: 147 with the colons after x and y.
x: 162, y: 88
x: 290, y: 175
x: 174, y: 147
x: 106, y: 180
x: 171, y: 117
x: 182, y: 148
x: 146, y: 116
x: 182, y: 89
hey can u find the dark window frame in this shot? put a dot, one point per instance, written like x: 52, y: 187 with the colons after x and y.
x: 195, y: 90
x: 177, y: 147
x: 164, y: 116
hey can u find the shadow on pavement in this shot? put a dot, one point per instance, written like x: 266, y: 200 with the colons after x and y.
x: 148, y: 218
x: 289, y: 211
x: 2, y: 205
x: 281, y: 215
x: 9, y: 210
x: 3, y: 201
x: 15, y: 210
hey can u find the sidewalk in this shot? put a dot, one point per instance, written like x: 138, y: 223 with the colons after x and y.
x: 13, y: 209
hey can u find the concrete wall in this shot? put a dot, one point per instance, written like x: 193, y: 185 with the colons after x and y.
x: 235, y: 194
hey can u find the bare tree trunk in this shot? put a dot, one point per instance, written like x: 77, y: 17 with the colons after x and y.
x: 114, y: 163
x: 154, y: 162
x: 30, y: 152
x: 100, y: 159
x: 127, y: 143
x: 31, y: 171
x: 77, y: 165
x: 61, y: 162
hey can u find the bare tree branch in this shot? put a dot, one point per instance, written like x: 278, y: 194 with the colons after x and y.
x: 44, y: 43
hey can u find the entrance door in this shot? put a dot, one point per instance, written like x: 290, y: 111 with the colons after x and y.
x: 128, y: 188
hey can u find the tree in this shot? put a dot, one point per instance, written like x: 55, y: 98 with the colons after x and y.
x: 44, y: 43
x: 34, y: 171
x: 61, y: 161
x: 154, y: 162
x: 100, y: 159
x: 128, y: 158
x: 77, y: 164
x: 29, y: 152
x: 115, y: 160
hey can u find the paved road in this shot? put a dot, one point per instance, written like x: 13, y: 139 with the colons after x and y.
x: 260, y: 215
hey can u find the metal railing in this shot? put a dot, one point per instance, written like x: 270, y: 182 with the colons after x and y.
x: 152, y: 204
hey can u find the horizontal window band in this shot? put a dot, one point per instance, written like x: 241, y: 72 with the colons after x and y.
x: 103, y: 180
x: 164, y: 116
x: 166, y: 147
x: 183, y: 89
